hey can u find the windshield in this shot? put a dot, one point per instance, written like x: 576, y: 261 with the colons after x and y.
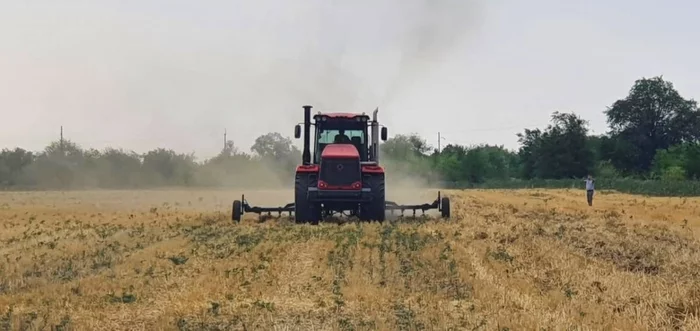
x: 334, y: 136
x: 326, y: 137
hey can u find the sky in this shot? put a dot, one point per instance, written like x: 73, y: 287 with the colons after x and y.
x: 176, y: 74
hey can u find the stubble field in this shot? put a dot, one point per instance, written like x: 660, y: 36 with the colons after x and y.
x: 507, y: 260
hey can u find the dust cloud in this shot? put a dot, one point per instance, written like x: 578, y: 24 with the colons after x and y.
x: 356, y: 56
x: 176, y: 77
x: 361, y: 55
x: 419, y: 34
x: 431, y: 30
x: 406, y: 186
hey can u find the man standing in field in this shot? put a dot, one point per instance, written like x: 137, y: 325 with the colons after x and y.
x: 590, y: 187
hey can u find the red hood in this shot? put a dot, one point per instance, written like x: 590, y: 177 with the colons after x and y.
x: 340, y: 151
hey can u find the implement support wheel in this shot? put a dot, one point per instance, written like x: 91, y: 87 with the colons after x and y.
x: 445, y: 207
x: 236, y: 211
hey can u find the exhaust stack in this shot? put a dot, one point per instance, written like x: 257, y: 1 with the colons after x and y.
x: 306, y: 153
x: 375, y: 136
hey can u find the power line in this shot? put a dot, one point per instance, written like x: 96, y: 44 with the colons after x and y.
x: 520, y: 127
x: 498, y: 128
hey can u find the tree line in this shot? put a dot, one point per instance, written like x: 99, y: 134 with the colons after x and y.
x: 653, y: 136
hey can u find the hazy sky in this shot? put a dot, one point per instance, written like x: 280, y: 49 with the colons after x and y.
x: 164, y: 73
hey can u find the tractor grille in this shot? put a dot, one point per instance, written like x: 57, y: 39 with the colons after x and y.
x: 340, y: 172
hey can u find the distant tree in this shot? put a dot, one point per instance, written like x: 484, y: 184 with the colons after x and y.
x: 561, y: 151
x: 165, y: 166
x: 475, y: 165
x: 13, y: 164
x: 405, y: 146
x: 530, y: 150
x: 692, y: 161
x: 677, y: 160
x: 449, y: 162
x: 406, y: 158
x: 449, y: 167
x: 119, y: 168
x: 501, y: 163
x: 229, y: 155
x: 230, y: 149
x: 230, y: 167
x: 277, y: 155
x: 274, y: 145
x: 60, y: 165
x: 653, y: 116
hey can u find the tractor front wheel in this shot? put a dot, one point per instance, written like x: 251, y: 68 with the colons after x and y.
x: 305, y: 211
x: 374, y: 210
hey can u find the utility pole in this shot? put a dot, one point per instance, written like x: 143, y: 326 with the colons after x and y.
x: 440, y: 138
x: 224, y: 139
x: 61, y: 141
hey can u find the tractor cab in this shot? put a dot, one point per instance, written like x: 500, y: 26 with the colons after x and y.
x: 341, y: 129
x: 344, y: 129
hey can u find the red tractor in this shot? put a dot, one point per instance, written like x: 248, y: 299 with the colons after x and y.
x: 343, y: 175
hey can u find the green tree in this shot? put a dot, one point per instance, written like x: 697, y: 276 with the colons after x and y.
x: 405, y: 146
x: 653, y: 116
x: 692, y: 161
x: 60, y: 165
x: 230, y: 168
x: 677, y: 159
x: 13, y: 163
x: 450, y: 163
x: 530, y: 150
x: 561, y: 151
x: 276, y: 155
x: 501, y: 163
x: 119, y: 168
x: 406, y: 159
x: 475, y: 165
x: 166, y: 167
x: 274, y: 145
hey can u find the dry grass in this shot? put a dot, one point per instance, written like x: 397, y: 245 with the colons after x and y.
x: 509, y: 260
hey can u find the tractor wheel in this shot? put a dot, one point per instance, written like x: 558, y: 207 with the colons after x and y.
x: 304, y: 210
x: 374, y: 210
x: 445, y: 203
x: 236, y: 211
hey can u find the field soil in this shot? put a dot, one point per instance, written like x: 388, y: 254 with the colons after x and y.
x: 507, y: 260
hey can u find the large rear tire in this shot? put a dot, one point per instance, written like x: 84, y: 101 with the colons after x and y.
x: 304, y: 210
x: 374, y: 210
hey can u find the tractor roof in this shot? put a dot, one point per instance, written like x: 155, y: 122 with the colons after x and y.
x: 337, y: 151
x: 342, y: 115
